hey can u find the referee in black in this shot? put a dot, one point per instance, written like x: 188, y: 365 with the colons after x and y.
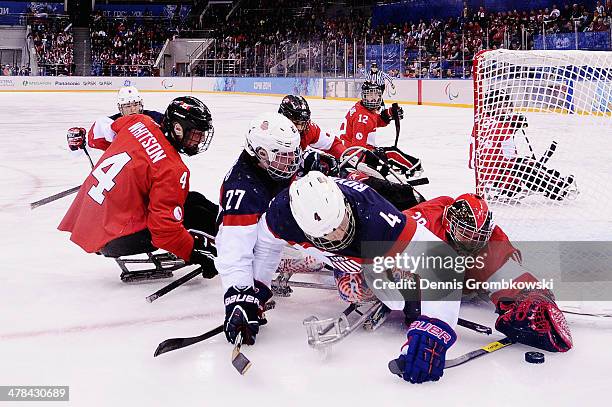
x: 378, y: 77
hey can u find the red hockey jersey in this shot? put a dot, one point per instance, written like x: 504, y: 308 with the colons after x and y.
x: 431, y: 215
x: 139, y: 182
x: 324, y: 141
x: 359, y: 127
x: 497, y: 153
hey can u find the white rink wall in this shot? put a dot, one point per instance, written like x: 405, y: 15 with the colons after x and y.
x: 433, y: 92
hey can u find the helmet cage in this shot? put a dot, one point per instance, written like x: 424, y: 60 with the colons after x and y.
x: 283, y: 165
x: 463, y: 230
x: 371, y: 97
x: 347, y: 226
x: 196, y: 141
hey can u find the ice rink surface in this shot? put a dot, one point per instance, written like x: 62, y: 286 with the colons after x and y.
x: 67, y: 319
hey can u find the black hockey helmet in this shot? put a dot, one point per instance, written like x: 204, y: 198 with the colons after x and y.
x: 371, y: 95
x: 296, y: 109
x: 374, y: 67
x: 187, y: 123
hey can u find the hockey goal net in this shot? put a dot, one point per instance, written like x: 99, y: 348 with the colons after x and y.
x: 542, y: 145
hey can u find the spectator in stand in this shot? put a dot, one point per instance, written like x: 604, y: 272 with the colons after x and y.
x: 52, y: 38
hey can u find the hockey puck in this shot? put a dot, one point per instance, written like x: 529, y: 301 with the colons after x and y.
x: 534, y: 357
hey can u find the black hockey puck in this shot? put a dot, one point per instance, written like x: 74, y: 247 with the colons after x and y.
x: 534, y: 357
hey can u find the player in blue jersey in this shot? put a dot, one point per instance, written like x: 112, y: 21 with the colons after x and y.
x: 331, y: 218
x: 271, y: 156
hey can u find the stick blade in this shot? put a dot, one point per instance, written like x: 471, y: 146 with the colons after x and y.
x: 168, y: 345
x: 241, y: 363
x: 394, y: 367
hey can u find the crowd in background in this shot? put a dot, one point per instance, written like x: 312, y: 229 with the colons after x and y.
x: 281, y: 37
x: 12, y: 70
x: 53, y: 42
x: 126, y: 47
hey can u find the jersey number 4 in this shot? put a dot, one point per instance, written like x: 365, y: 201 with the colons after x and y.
x: 391, y: 219
x: 106, y: 179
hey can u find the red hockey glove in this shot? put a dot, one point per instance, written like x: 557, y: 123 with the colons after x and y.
x: 76, y: 138
x: 534, y: 319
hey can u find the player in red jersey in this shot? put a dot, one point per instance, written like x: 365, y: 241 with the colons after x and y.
x: 360, y: 124
x: 296, y: 109
x: 100, y: 135
x: 503, y: 172
x: 467, y: 225
x: 137, y: 199
x: 362, y: 120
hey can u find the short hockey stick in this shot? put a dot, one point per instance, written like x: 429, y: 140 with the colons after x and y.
x: 176, y: 283
x: 395, y: 366
x: 396, y: 120
x: 547, y: 154
x: 240, y: 362
x: 177, y: 343
x: 55, y: 197
x: 88, y: 156
x: 62, y: 194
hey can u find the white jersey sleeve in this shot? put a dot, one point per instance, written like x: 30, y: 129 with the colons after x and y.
x: 234, y: 260
x: 246, y: 253
x: 267, y: 253
x: 325, y: 141
x: 101, y: 130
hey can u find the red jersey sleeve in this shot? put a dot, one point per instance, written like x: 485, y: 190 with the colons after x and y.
x: 495, y: 255
x: 321, y: 140
x: 165, y: 220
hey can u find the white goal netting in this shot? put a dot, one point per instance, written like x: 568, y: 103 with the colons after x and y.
x: 543, y: 142
x: 542, y: 155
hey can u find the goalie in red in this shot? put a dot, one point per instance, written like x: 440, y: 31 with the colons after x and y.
x: 529, y: 317
x: 501, y: 171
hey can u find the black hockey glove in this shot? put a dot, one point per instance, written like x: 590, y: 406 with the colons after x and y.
x: 76, y: 138
x: 388, y: 114
x: 244, y: 312
x: 203, y: 253
x: 319, y: 161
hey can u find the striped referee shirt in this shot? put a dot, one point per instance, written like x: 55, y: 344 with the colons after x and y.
x: 378, y: 78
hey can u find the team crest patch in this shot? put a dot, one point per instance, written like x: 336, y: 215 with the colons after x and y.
x: 178, y: 213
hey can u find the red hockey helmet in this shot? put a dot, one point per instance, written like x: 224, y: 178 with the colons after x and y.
x: 469, y: 222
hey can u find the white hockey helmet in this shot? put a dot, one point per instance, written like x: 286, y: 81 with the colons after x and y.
x: 275, y: 142
x: 322, y: 212
x: 129, y: 101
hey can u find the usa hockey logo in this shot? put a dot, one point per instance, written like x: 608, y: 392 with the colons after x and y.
x: 344, y: 264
